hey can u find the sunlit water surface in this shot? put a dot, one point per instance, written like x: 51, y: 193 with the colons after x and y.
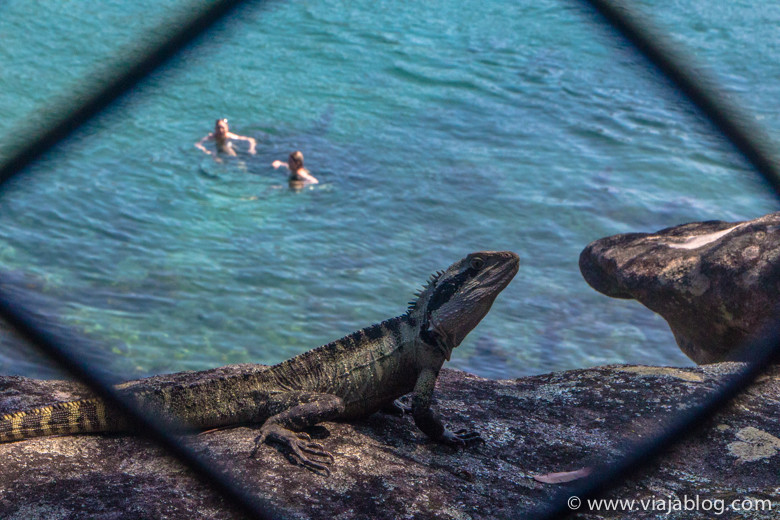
x: 436, y: 128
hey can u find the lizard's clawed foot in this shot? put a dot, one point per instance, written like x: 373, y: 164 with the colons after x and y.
x: 311, y: 455
x: 461, y: 438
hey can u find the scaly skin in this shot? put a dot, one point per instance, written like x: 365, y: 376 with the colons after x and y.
x: 354, y: 376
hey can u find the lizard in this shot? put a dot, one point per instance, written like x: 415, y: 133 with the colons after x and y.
x: 355, y: 376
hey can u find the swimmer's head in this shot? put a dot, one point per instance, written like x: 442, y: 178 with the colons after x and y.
x: 221, y: 126
x: 295, y: 161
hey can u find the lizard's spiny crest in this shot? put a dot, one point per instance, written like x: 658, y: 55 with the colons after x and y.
x: 429, y: 285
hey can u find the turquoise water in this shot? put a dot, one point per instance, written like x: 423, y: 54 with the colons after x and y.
x: 436, y: 128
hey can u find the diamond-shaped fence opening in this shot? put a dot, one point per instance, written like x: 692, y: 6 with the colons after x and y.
x: 725, y: 117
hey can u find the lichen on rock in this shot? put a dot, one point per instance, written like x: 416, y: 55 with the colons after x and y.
x: 754, y: 444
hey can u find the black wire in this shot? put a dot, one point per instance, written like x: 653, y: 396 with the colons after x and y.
x: 70, y: 357
x: 639, y: 455
x: 761, y: 351
x: 697, y: 87
x: 714, y: 107
x: 13, y: 311
x: 117, y: 85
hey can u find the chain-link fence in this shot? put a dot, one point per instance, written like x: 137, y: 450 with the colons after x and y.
x: 702, y: 93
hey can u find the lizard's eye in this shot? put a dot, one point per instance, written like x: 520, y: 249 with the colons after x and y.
x: 476, y: 263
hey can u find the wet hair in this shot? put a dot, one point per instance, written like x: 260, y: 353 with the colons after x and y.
x: 218, y: 121
x: 295, y: 161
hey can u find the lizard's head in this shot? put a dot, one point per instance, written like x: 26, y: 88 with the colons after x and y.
x: 455, y: 301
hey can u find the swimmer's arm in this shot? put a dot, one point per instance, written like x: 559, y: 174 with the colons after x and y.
x: 308, y: 178
x: 276, y: 164
x: 252, y: 142
x: 200, y: 146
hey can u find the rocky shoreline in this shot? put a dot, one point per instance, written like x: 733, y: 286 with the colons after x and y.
x: 715, y: 283
x: 386, y: 468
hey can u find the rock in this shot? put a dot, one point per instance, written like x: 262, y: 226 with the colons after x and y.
x: 715, y: 283
x: 386, y: 469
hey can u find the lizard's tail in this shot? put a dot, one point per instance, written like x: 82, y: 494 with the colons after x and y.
x: 83, y: 416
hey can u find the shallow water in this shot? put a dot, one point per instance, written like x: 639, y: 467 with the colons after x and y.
x: 436, y: 129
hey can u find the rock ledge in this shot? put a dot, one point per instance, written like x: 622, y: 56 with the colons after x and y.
x: 385, y: 468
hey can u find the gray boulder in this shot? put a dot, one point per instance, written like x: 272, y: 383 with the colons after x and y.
x: 386, y: 469
x: 716, y: 283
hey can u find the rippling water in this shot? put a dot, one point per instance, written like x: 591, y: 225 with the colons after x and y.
x: 436, y: 128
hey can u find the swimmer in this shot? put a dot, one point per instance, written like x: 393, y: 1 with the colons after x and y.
x: 222, y: 137
x: 299, y: 176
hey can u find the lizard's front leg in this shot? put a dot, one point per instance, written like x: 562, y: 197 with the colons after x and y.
x: 284, y: 427
x: 429, y: 421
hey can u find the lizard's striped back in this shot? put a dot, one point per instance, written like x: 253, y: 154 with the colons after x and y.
x: 82, y: 416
